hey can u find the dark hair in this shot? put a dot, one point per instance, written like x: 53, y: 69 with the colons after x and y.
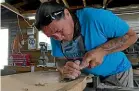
x: 45, y: 9
x: 48, y: 8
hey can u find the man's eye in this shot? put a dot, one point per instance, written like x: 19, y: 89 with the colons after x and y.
x: 58, y: 31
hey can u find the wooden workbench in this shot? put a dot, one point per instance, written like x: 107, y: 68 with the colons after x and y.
x: 40, y: 81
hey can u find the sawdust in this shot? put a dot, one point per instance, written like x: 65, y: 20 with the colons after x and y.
x: 41, y: 84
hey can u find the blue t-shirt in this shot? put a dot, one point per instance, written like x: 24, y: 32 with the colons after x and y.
x: 97, y: 27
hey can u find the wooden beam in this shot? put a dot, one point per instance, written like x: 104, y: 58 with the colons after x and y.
x: 75, y: 7
x: 66, y: 3
x: 133, y: 8
x: 34, y: 11
x: 12, y: 8
x: 109, y: 1
x: 84, y: 3
x: 104, y: 3
x: 19, y: 4
x: 29, y: 12
x: 57, y: 1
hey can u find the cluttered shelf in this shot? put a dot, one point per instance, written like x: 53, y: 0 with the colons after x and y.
x: 33, y: 50
x: 20, y: 69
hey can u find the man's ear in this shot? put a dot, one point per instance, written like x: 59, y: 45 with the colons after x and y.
x: 66, y: 13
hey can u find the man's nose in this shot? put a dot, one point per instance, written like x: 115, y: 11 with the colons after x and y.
x: 47, y: 34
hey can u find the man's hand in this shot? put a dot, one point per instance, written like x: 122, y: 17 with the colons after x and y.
x: 71, y: 70
x: 93, y: 58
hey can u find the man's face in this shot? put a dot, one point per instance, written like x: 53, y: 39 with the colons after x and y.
x: 62, y: 29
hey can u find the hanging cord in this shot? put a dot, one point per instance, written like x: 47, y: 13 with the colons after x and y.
x: 20, y: 28
x: 19, y: 43
x: 28, y: 23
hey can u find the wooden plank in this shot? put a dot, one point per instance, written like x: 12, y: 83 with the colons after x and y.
x: 12, y: 8
x: 41, y: 81
x: 77, y: 85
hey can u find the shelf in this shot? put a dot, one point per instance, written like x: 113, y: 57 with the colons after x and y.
x: 20, y: 69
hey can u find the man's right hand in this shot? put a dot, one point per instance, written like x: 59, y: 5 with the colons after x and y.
x: 71, y: 70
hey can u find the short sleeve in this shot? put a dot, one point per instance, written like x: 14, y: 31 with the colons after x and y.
x: 112, y: 25
x: 56, y: 48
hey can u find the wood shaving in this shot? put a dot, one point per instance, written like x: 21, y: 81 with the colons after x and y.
x: 40, y: 84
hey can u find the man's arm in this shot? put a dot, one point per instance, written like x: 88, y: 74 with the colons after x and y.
x: 119, y: 44
x: 95, y: 56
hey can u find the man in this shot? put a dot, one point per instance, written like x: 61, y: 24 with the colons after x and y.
x: 90, y: 40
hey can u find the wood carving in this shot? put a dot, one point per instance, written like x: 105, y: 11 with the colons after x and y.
x: 41, y: 81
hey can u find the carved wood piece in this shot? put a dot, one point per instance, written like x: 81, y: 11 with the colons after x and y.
x: 41, y: 81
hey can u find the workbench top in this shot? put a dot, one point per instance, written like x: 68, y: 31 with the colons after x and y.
x: 41, y: 81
